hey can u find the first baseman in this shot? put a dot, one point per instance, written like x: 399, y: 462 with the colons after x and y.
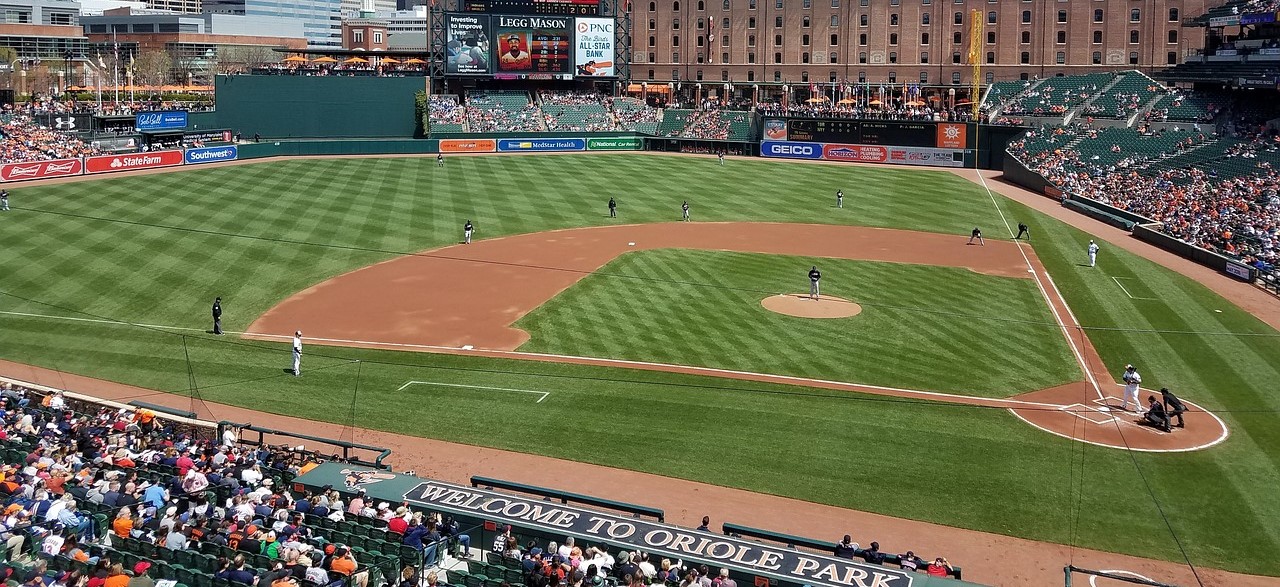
x: 814, y: 277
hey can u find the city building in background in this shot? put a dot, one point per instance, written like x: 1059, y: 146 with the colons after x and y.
x: 321, y: 19
x: 912, y: 41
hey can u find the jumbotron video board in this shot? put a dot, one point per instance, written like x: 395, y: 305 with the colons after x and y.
x: 518, y: 46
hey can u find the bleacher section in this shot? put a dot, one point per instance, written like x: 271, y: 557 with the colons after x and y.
x: 576, y: 112
x: 673, y: 122
x: 1189, y: 107
x: 1058, y: 95
x: 502, y: 111
x: 633, y: 114
x: 1130, y: 93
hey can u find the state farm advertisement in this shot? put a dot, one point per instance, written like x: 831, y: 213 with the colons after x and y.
x: 40, y: 169
x: 132, y: 161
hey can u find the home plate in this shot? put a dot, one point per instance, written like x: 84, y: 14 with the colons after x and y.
x: 631, y: 244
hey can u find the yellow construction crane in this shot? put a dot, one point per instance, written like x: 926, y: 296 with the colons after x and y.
x: 975, y: 59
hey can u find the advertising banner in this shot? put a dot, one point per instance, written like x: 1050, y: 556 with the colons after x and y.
x: 542, y: 144
x: 467, y: 45
x: 1258, y: 18
x: 775, y: 130
x: 1230, y: 20
x: 593, y: 47
x: 161, y: 120
x: 68, y: 122
x: 952, y: 135
x: 1239, y: 270
x: 132, y: 161
x: 532, y: 44
x: 791, y: 150
x: 896, y: 155
x: 618, y: 144
x: 40, y: 169
x: 208, y: 136
x: 210, y: 155
x: 468, y: 145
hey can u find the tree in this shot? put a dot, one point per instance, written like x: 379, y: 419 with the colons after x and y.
x: 152, y: 68
x: 7, y: 56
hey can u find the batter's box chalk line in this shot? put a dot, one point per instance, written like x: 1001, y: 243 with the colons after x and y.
x: 1078, y: 410
x: 541, y: 394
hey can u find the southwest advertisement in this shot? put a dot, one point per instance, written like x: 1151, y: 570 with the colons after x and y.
x: 864, y: 153
x: 210, y: 155
x: 593, y: 47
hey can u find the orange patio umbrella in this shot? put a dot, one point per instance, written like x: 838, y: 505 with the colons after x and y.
x: 414, y: 61
x: 325, y: 59
x: 295, y: 59
x: 390, y: 60
x: 355, y: 60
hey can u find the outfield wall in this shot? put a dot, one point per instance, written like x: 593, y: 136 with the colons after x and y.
x: 287, y: 106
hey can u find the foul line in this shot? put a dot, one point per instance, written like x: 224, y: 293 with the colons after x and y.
x: 544, y: 394
x: 1126, y: 290
x: 1066, y: 332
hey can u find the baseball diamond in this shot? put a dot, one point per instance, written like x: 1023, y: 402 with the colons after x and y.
x: 975, y: 390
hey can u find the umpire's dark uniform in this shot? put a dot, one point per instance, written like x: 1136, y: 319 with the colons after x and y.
x: 1173, y: 406
x: 1022, y: 229
x: 217, y: 315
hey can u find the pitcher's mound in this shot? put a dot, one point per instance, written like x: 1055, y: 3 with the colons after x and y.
x: 801, y: 305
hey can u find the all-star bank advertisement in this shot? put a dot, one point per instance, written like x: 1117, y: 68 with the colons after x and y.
x: 593, y: 47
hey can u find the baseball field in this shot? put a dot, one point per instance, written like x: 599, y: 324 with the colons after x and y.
x: 114, y: 278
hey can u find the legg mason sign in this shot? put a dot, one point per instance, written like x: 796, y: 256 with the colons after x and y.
x: 656, y: 538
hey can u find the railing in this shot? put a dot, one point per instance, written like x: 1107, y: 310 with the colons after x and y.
x: 346, y: 447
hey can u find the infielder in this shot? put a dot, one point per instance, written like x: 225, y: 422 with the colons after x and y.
x: 978, y: 235
x: 839, y: 198
x: 1132, y: 383
x: 1093, y: 253
x: 684, y: 211
x: 467, y: 229
x: 297, y: 353
x: 814, y: 277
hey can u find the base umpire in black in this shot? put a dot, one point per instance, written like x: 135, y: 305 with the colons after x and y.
x: 217, y: 315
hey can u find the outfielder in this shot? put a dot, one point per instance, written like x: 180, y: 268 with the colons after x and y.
x: 4, y: 200
x: 440, y: 160
x: 467, y: 229
x: 721, y: 155
x: 1132, y: 383
x: 814, y: 277
x: 1093, y: 253
x: 297, y: 353
x: 684, y: 211
x: 839, y: 198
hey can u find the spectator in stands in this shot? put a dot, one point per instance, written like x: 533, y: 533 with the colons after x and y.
x: 873, y: 555
x: 939, y: 568
x: 724, y: 580
x: 500, y: 540
x: 236, y: 570
x: 909, y: 561
x: 344, y: 564
x: 141, y: 575
x: 176, y: 539
x: 116, y: 577
x: 123, y: 524
x: 847, y: 548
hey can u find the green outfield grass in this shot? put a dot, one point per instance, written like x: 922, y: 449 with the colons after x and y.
x: 156, y: 249
x: 917, y: 322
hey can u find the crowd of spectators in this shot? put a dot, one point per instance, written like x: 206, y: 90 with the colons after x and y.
x: 576, y: 111
x: 1237, y: 214
x: 872, y: 112
x: 24, y: 140
x: 50, y: 105
x: 488, y: 118
x: 629, y: 112
x: 707, y: 124
x: 443, y: 109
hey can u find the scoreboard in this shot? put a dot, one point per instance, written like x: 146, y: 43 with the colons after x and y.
x: 529, y: 46
x: 906, y: 134
x: 546, y: 7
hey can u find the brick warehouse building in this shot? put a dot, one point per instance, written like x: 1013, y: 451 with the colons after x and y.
x: 903, y: 41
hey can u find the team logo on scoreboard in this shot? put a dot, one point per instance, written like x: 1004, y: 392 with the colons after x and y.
x: 775, y: 130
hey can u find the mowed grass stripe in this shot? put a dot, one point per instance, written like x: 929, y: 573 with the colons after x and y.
x: 627, y: 308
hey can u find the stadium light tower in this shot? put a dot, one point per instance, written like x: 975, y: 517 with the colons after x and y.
x: 975, y: 59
